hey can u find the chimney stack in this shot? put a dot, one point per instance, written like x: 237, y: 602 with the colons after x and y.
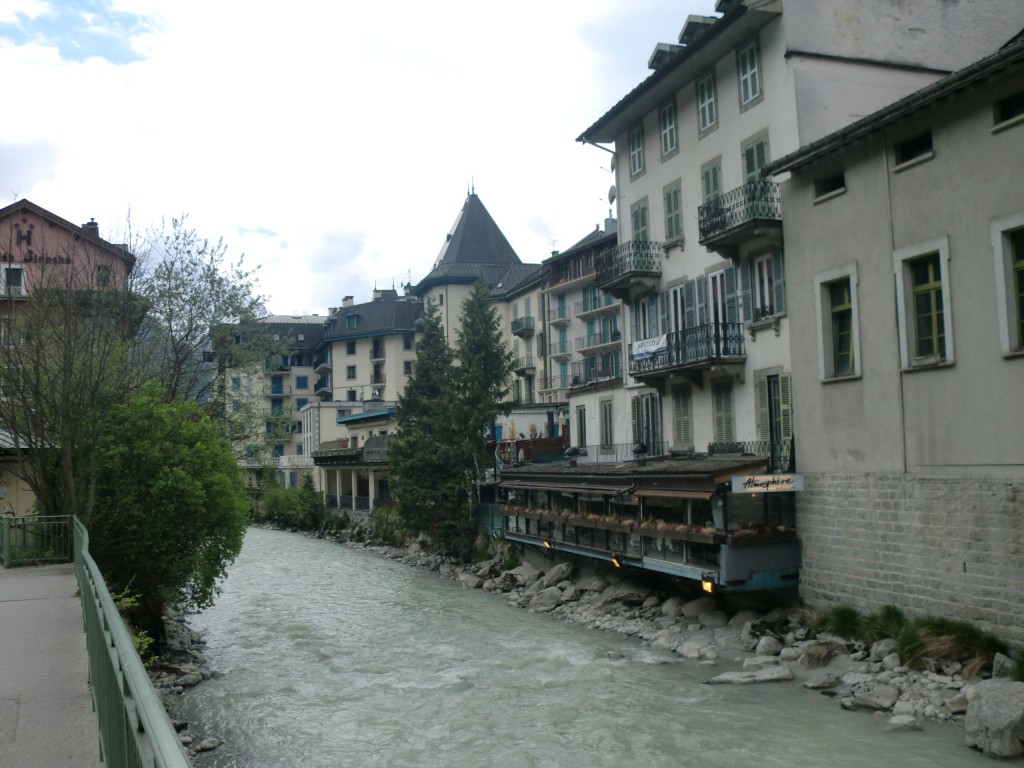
x: 92, y: 227
x: 346, y: 301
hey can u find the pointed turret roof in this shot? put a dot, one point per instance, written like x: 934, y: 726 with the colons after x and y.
x: 475, y: 247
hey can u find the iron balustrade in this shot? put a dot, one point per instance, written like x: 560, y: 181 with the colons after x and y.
x: 632, y: 256
x: 524, y: 363
x: 34, y: 540
x: 560, y: 347
x: 598, y: 339
x: 616, y: 453
x: 522, y: 325
x: 700, y: 345
x: 780, y: 453
x: 559, y: 314
x: 586, y: 372
x: 755, y: 200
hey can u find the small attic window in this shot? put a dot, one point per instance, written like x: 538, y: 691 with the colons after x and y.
x: 915, y: 149
x: 1009, y: 110
x: 351, y: 322
x: 301, y: 337
x: 829, y: 186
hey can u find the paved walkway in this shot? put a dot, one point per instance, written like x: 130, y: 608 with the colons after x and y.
x: 46, y: 716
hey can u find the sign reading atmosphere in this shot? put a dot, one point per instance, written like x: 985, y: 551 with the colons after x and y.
x: 650, y: 347
x: 767, y: 483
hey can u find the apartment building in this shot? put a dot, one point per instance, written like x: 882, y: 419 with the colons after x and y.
x: 700, y: 267
x: 905, y: 257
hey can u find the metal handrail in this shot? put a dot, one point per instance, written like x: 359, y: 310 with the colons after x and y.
x: 632, y: 256
x: 135, y: 731
x: 34, y: 539
x: 753, y: 201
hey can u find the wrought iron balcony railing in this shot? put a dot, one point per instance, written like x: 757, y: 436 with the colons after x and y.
x: 754, y: 201
x: 695, y: 347
x: 628, y: 259
x: 559, y: 315
x: 595, y: 340
x: 586, y: 372
x: 781, y: 454
x: 522, y: 326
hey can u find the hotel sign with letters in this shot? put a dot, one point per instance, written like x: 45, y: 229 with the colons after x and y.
x: 767, y: 483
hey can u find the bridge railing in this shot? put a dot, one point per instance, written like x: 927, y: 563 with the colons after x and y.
x: 135, y: 731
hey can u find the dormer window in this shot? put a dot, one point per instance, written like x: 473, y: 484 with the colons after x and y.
x: 351, y: 322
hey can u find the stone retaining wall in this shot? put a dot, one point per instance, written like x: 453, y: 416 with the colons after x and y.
x: 939, y: 546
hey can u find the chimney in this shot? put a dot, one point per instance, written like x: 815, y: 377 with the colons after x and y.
x: 611, y: 225
x: 377, y: 294
x: 346, y: 301
x: 92, y: 227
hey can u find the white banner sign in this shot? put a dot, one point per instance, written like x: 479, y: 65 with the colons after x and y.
x: 767, y: 483
x: 650, y: 347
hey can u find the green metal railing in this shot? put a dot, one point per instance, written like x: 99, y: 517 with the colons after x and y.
x: 34, y: 540
x: 135, y: 731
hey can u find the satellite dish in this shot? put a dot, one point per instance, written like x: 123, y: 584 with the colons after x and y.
x: 613, y: 161
x: 612, y: 195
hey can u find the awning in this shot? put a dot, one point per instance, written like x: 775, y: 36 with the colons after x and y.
x: 673, y: 493
x: 512, y: 485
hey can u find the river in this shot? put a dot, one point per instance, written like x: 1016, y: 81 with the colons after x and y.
x: 332, y: 656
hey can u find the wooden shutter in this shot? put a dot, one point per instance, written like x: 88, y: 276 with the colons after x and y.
x: 731, y: 312
x: 778, y: 274
x: 702, y: 293
x: 764, y: 431
x: 786, y: 405
x: 722, y: 397
x: 635, y: 408
x: 690, y: 304
x: 663, y: 299
x: 745, y: 292
x: 681, y: 428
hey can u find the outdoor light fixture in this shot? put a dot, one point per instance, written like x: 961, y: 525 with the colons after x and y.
x: 616, y: 560
x: 706, y: 583
x: 547, y: 544
x: 571, y: 453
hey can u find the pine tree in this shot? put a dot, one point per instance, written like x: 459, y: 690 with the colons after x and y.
x: 428, y: 457
x: 485, y: 369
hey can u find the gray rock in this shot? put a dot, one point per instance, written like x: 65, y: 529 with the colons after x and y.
x: 570, y: 594
x: 652, y: 601
x: 882, y: 648
x: 898, y: 723
x: 790, y: 654
x: 995, y: 718
x: 545, y: 600
x: 673, y: 606
x: 891, y: 662
x: 768, y: 646
x: 816, y: 656
x: 206, y: 744
x: 695, y: 608
x: 628, y: 592
x: 593, y: 584
x: 558, y: 573
x: 713, y: 619
x: 957, y: 705
x: 524, y: 575
x: 693, y: 645
x: 755, y: 663
x: 821, y: 680
x: 471, y: 580
x: 877, y: 696
x: 767, y: 675
x: 1001, y: 666
x: 740, y: 619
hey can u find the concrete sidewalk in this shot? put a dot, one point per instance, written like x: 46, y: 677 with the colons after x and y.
x: 46, y: 716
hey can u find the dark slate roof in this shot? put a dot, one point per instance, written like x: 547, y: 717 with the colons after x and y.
x: 474, y: 248
x: 289, y: 327
x: 1008, y: 58
x: 595, y: 240
x: 517, y: 279
x: 383, y: 317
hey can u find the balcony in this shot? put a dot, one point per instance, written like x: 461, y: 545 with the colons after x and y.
x: 323, y: 386
x: 322, y: 365
x: 781, y: 454
x: 599, y: 342
x: 560, y: 348
x: 596, y: 306
x: 270, y: 390
x: 522, y: 327
x: 587, y: 372
x: 630, y: 269
x: 378, y: 353
x: 739, y: 215
x: 553, y: 382
x: 525, y: 365
x: 695, y: 348
x: 559, y: 316
x: 378, y: 378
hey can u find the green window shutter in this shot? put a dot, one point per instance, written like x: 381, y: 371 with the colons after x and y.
x: 690, y: 304
x: 635, y: 403
x: 763, y: 416
x: 750, y: 169
x: 786, y: 405
x: 663, y: 299
x: 681, y: 427
x: 778, y: 274
x: 731, y: 310
x: 702, y: 307
x: 745, y: 292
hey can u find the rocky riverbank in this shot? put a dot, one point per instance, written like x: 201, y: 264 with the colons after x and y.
x: 737, y: 647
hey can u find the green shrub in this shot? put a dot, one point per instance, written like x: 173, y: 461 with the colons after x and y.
x: 942, y: 639
x: 511, y: 559
x: 842, y: 620
x: 887, y: 622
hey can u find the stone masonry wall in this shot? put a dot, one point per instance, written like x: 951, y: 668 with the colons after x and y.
x: 937, y: 546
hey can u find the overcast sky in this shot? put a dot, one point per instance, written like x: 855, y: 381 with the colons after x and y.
x: 332, y: 143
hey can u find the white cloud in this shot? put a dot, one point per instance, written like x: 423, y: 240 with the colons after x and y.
x: 350, y: 131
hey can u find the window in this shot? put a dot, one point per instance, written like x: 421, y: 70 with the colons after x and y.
x: 640, y: 218
x: 673, y: 225
x: 351, y: 322
x: 774, y: 406
x: 102, y: 276
x: 1010, y: 108
x: 829, y: 186
x: 236, y: 383
x: 721, y: 398
x: 407, y: 367
x: 300, y: 403
x: 1008, y: 245
x: 350, y: 347
x: 682, y: 426
x: 636, y: 150
x: 647, y: 423
x: 748, y: 64
x: 301, y: 337
x: 667, y: 121
x: 762, y: 287
x: 917, y: 148
x: 711, y: 179
x: 840, y: 304
x: 302, y: 382
x: 350, y: 395
x: 350, y: 372
x: 707, y: 112
x: 581, y: 426
x: 755, y: 157
x: 407, y: 341
x: 924, y: 309
x: 236, y: 406
x: 14, y: 283
x: 607, y: 426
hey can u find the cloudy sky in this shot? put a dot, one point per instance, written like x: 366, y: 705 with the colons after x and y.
x: 331, y: 143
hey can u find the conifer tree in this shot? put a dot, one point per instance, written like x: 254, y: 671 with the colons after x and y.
x: 485, y: 370
x: 427, y: 456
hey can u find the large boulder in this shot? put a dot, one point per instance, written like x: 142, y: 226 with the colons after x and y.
x: 545, y: 600
x: 628, y: 592
x: 772, y: 674
x: 560, y: 572
x: 696, y: 607
x: 525, y: 575
x: 995, y: 718
x: 673, y: 607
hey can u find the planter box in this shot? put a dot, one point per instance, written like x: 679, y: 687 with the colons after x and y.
x: 753, y: 539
